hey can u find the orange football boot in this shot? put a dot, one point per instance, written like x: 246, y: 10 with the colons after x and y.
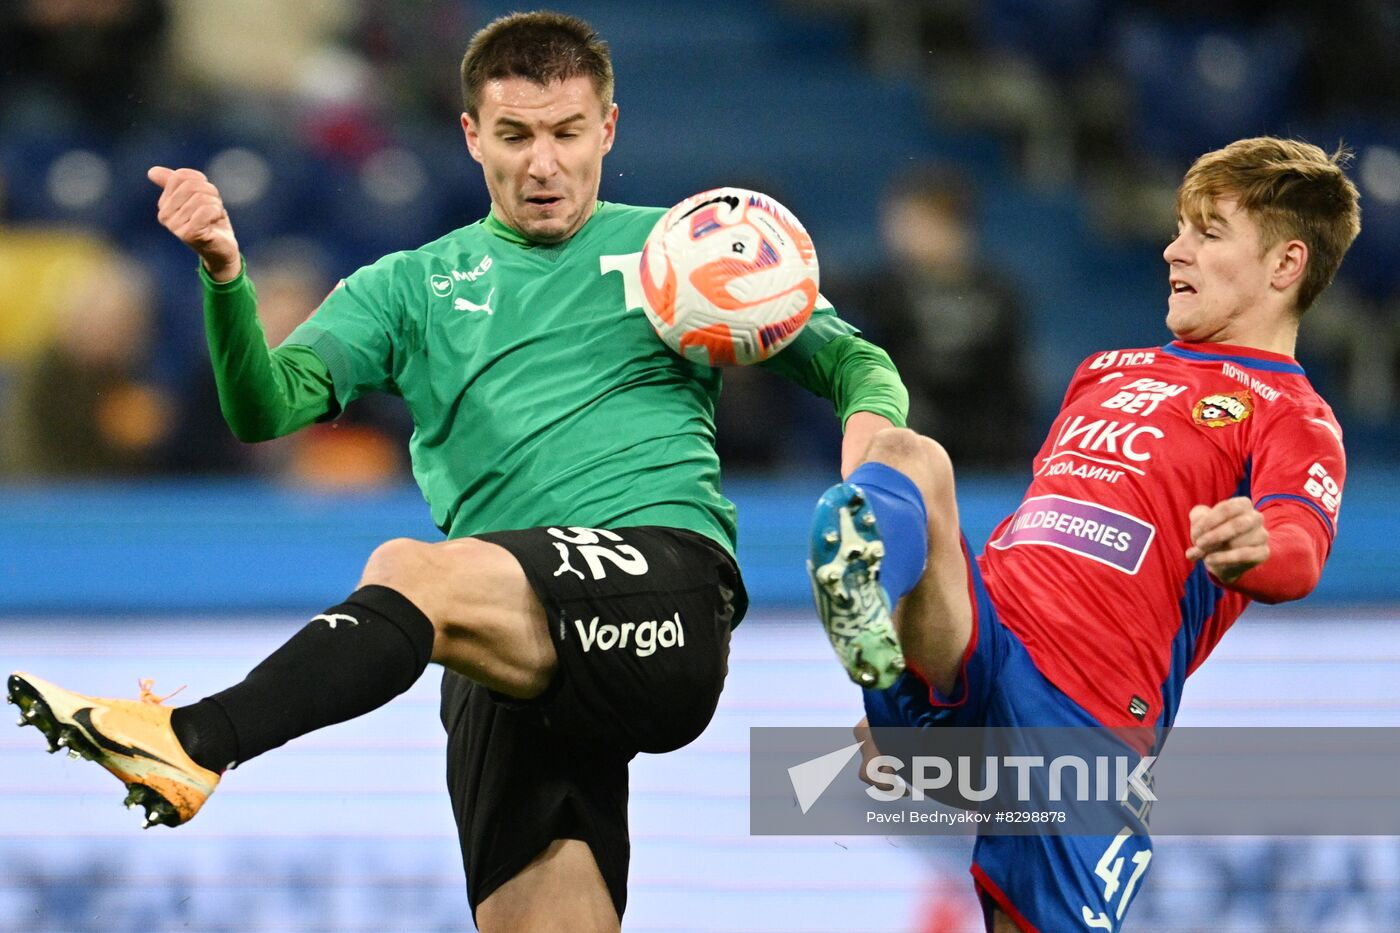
x: 130, y: 738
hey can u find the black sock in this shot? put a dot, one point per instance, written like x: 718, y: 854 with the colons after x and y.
x: 206, y: 733
x: 351, y: 659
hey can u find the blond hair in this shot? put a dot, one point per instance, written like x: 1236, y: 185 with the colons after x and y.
x: 1293, y: 190
x: 542, y: 47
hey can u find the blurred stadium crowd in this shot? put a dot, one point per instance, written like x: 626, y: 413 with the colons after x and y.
x: 988, y: 183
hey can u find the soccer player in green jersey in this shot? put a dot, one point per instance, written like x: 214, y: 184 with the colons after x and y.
x: 582, y: 604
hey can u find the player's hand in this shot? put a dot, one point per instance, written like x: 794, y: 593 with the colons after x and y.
x: 190, y: 207
x: 868, y: 751
x: 1229, y: 536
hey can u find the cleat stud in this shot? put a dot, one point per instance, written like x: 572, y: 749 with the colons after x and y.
x: 73, y: 753
x: 831, y: 537
x: 868, y: 519
x: 866, y: 679
x: 62, y: 741
x: 30, y: 713
x: 21, y: 721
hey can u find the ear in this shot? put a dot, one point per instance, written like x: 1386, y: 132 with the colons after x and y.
x: 1290, y: 262
x: 472, y: 131
x: 609, y: 129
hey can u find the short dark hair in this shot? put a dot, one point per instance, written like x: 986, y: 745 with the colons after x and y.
x: 542, y: 47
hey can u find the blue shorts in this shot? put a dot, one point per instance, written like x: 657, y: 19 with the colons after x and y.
x: 1049, y: 882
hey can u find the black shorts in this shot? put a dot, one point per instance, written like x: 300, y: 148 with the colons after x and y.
x: 640, y: 619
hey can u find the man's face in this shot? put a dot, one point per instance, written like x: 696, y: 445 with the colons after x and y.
x: 1221, y: 279
x: 541, y: 148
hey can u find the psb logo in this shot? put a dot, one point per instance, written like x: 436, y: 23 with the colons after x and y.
x: 441, y: 285
x: 1123, y: 358
x: 1222, y: 410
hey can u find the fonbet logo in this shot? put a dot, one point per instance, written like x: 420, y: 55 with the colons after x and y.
x: 1142, y: 396
x: 641, y: 637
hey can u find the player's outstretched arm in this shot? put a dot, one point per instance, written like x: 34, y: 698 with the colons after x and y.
x: 263, y: 393
x: 1272, y: 556
x: 191, y: 208
x: 1229, y: 536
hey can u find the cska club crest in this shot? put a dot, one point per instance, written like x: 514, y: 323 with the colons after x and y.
x: 1222, y: 410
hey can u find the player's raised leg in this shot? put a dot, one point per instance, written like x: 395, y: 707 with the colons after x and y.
x: 488, y: 623
x: 887, y: 536
x: 464, y: 603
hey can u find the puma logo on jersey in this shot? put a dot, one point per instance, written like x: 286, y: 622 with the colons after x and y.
x: 596, y: 547
x: 462, y: 304
x: 565, y: 566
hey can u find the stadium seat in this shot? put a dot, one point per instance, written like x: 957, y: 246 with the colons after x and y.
x: 1199, y: 85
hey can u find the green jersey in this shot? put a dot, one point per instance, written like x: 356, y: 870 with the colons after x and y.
x: 539, y: 393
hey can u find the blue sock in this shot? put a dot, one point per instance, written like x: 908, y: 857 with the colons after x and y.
x: 903, y: 520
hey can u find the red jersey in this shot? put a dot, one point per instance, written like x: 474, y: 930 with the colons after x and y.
x: 1090, y: 571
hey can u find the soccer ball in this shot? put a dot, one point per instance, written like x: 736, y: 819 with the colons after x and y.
x: 729, y: 276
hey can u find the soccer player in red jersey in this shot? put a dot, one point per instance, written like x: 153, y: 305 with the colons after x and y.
x: 1176, y: 485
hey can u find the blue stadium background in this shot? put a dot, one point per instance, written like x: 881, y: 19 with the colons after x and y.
x: 1070, y: 116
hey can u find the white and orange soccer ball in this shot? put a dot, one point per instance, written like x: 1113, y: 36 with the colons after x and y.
x: 730, y: 277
